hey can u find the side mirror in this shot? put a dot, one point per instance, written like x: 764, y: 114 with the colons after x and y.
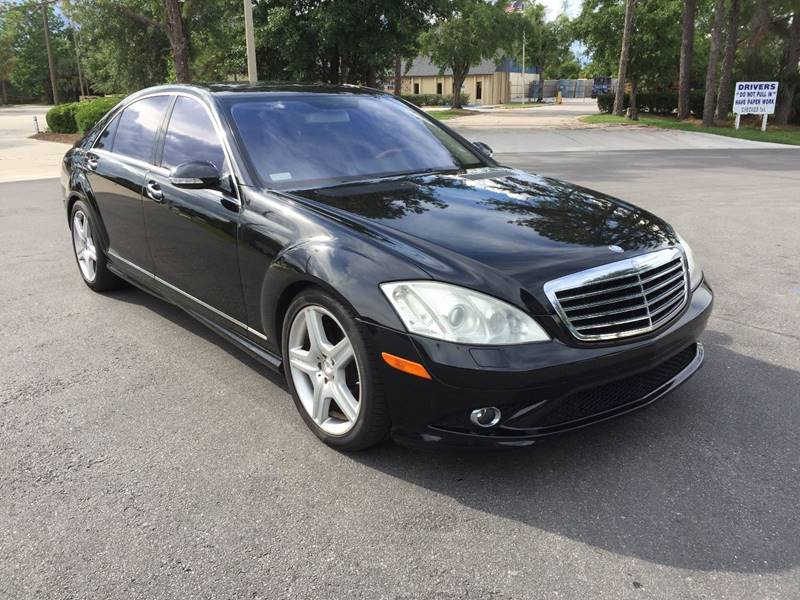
x: 485, y: 149
x: 194, y: 175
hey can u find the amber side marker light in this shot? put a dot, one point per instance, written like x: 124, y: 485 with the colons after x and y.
x: 406, y: 366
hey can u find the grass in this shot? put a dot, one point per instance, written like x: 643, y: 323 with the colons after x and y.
x: 749, y: 130
x: 451, y: 113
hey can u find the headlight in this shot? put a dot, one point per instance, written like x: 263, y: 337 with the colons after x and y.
x: 695, y: 272
x: 455, y: 314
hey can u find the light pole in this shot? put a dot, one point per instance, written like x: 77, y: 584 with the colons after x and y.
x: 252, y: 71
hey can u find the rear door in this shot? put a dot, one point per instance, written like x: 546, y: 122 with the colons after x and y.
x: 193, y: 232
x: 116, y: 168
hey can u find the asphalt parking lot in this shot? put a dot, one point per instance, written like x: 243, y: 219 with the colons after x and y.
x: 143, y: 457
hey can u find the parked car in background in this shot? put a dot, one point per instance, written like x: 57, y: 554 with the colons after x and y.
x: 404, y: 282
x: 601, y: 85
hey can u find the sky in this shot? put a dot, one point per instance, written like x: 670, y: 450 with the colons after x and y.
x: 554, y: 7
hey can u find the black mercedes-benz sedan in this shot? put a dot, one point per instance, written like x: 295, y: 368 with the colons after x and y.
x: 404, y: 282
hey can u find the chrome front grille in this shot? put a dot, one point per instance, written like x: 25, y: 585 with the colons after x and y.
x: 622, y: 299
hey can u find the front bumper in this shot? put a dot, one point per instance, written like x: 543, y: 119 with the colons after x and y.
x: 541, y: 389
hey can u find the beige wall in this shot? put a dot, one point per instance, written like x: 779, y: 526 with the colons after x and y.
x: 494, y: 87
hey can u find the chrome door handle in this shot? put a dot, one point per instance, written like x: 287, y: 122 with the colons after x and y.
x: 154, y: 191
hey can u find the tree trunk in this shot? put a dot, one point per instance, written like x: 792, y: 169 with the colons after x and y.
x: 177, y: 41
x: 731, y: 40
x: 633, y: 108
x: 459, y: 75
x: 372, y: 76
x: 619, y: 99
x: 713, y: 61
x: 788, y: 84
x: 3, y: 93
x: 687, y: 53
x: 398, y: 75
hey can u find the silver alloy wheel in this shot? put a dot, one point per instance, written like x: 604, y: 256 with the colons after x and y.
x: 325, y: 373
x: 85, y: 249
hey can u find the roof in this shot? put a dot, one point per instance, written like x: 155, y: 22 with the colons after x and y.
x: 265, y: 87
x: 423, y: 67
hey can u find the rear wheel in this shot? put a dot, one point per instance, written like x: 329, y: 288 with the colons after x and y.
x: 88, y: 253
x: 331, y: 374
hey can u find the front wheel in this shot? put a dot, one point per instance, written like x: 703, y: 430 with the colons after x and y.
x: 331, y: 373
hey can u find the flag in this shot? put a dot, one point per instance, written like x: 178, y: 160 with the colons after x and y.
x: 515, y: 6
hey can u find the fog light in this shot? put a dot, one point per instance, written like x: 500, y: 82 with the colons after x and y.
x: 485, y: 417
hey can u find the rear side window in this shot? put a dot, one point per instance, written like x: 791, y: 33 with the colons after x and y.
x: 105, y: 140
x: 136, y: 131
x: 191, y: 136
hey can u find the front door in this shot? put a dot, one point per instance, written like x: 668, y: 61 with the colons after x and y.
x: 193, y: 233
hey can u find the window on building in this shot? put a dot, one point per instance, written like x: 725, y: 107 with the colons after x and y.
x: 416, y: 88
x: 479, y: 90
x: 439, y: 88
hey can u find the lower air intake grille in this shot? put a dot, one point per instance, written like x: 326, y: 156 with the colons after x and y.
x: 622, y: 299
x: 596, y: 401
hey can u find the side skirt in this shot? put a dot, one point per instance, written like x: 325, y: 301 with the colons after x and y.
x: 265, y: 357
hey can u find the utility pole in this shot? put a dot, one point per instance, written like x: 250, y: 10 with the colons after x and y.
x: 50, y: 61
x: 252, y: 71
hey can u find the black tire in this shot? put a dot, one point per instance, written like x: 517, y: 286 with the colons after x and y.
x: 373, y: 423
x: 103, y: 280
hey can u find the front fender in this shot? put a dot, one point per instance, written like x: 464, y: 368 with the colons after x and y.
x: 351, y: 274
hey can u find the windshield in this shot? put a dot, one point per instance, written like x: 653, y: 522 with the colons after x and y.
x: 305, y: 140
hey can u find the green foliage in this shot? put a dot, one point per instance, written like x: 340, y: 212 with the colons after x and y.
x: 122, y: 44
x: 339, y: 41
x: 548, y: 44
x: 655, y: 44
x: 91, y: 111
x: 473, y: 33
x: 61, y: 118
x: 434, y: 99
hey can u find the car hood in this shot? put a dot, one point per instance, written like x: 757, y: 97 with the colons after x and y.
x: 525, y: 228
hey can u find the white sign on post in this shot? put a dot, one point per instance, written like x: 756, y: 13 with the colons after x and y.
x: 755, y: 98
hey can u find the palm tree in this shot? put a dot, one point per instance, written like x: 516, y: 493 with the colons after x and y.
x: 687, y: 51
x: 713, y: 61
x: 619, y: 99
x: 731, y: 41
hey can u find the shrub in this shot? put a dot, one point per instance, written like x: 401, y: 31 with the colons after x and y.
x: 433, y: 99
x: 90, y: 112
x: 656, y: 103
x: 61, y: 118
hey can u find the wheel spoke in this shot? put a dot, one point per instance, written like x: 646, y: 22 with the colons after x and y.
x: 85, y: 229
x: 77, y: 227
x: 90, y: 253
x: 341, y: 353
x: 345, y: 400
x: 316, y: 332
x: 322, y: 403
x: 303, y: 361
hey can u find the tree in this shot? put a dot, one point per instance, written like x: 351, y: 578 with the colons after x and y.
x: 623, y: 57
x: 7, y: 58
x: 790, y: 75
x: 731, y: 43
x: 713, y: 60
x: 687, y: 51
x: 173, y: 26
x: 475, y: 32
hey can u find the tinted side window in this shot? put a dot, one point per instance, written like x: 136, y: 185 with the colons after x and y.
x: 191, y: 136
x: 138, y: 124
x: 106, y: 139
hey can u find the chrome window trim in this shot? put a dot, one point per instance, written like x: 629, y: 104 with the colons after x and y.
x: 205, y: 305
x: 215, y: 120
x: 618, y: 270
